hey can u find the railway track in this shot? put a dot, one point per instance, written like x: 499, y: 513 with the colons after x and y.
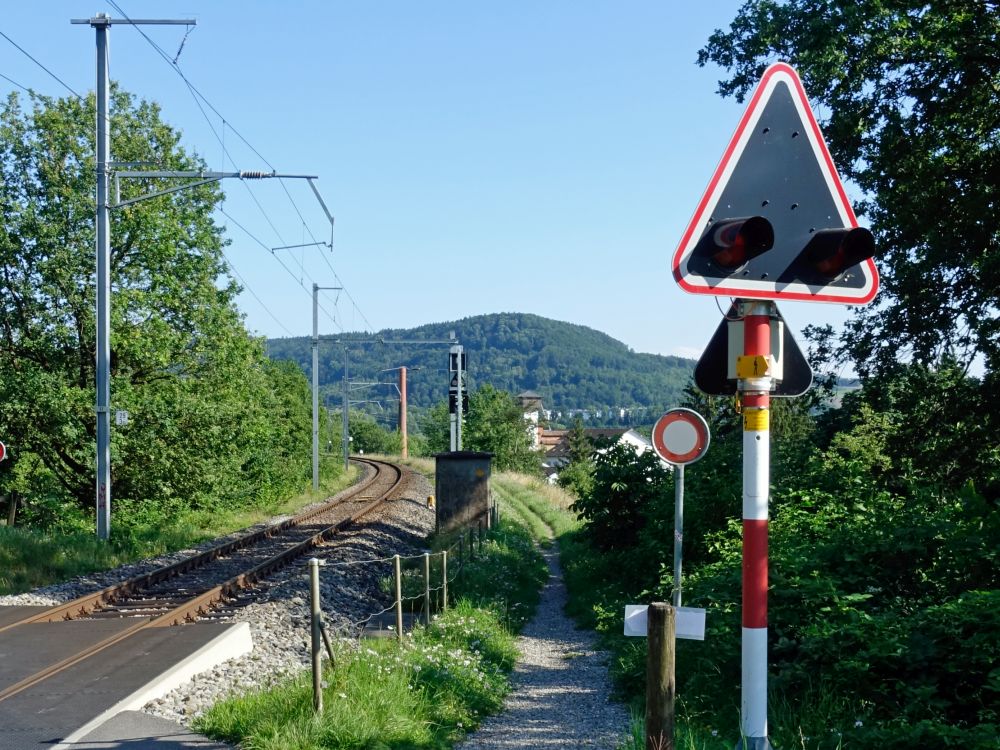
x: 206, y: 585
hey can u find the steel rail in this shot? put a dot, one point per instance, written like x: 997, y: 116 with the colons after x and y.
x: 199, y: 605
x: 88, y: 603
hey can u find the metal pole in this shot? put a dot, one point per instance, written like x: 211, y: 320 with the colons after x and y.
x: 317, y: 637
x: 427, y: 589
x: 678, y: 530
x: 103, y: 372
x: 402, y: 413
x: 444, y: 580
x: 347, y: 402
x: 756, y: 396
x: 458, y: 405
x: 397, y: 571
x: 315, y: 388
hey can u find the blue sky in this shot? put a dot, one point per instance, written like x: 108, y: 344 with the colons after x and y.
x: 478, y: 157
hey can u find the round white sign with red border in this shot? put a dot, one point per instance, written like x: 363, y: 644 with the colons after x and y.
x: 681, y: 436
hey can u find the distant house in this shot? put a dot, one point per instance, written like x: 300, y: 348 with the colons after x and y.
x: 555, y: 444
x: 531, y: 406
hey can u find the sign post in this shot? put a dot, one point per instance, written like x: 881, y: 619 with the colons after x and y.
x: 680, y: 437
x: 774, y: 224
x: 755, y: 388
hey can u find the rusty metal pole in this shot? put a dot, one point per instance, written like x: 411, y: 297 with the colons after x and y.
x: 660, y: 686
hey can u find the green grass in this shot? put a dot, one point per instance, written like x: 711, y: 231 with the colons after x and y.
x: 29, y: 559
x: 424, y: 693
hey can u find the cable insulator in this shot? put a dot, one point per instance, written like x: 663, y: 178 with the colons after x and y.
x: 254, y: 175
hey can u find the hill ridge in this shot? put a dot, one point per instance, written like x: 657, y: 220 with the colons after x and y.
x: 574, y: 367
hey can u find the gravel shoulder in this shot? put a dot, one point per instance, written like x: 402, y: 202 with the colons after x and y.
x: 561, y: 686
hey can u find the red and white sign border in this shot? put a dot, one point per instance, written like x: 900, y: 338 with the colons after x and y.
x: 690, y: 417
x: 755, y: 289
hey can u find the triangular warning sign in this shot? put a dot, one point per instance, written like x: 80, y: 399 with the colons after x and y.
x: 777, y: 168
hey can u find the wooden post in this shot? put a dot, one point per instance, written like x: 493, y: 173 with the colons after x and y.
x: 660, y: 677
x: 399, y: 598
x: 427, y: 589
x: 444, y: 580
x: 11, y: 508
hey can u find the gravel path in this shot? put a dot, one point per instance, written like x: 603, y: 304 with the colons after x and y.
x: 561, y: 687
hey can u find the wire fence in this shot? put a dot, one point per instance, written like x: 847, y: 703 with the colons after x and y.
x: 403, y: 580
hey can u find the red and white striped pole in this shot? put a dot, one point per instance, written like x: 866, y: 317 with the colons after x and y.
x: 755, y: 388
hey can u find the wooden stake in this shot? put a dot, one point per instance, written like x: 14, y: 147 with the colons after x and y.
x: 660, y: 685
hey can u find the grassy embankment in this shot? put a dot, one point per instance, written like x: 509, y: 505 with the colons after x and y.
x: 29, y: 559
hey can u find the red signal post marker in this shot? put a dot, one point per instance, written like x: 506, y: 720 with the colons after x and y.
x: 756, y: 397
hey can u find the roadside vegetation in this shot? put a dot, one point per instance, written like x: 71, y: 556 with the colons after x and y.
x: 427, y: 692
x: 884, y: 601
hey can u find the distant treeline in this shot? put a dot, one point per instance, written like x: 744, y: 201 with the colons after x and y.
x: 571, y: 366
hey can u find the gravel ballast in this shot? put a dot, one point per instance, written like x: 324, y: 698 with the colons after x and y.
x: 279, y: 613
x: 560, y: 697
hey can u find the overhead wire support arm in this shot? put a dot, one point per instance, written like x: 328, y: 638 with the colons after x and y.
x: 201, y: 178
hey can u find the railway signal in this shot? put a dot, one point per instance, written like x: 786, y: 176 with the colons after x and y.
x: 3, y: 452
x: 774, y: 224
x: 775, y: 221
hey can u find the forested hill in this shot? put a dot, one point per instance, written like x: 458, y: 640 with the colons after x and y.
x: 571, y: 366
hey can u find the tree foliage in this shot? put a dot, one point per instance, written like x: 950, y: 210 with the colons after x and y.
x: 884, y: 564
x: 909, y: 92
x: 496, y: 424
x: 571, y: 366
x: 211, y: 421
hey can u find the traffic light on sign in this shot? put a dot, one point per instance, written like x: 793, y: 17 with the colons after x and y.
x: 831, y: 252
x: 729, y: 244
x: 775, y: 222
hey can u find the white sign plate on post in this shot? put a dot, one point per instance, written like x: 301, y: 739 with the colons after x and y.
x: 689, y: 622
x: 121, y: 417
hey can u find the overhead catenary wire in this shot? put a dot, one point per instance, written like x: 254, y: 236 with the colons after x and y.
x: 40, y: 65
x: 200, y: 97
x: 246, y: 286
x: 11, y: 80
x: 288, y: 270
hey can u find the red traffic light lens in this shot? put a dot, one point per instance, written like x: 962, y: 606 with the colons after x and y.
x: 732, y: 242
x: 830, y: 252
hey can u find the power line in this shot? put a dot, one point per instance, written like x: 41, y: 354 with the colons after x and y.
x: 288, y: 270
x: 28, y: 55
x: 24, y: 88
x: 197, y: 95
x: 246, y: 286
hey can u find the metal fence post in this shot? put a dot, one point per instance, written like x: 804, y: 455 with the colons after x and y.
x: 317, y: 646
x: 399, y: 598
x: 444, y: 580
x: 427, y: 589
x: 472, y: 544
